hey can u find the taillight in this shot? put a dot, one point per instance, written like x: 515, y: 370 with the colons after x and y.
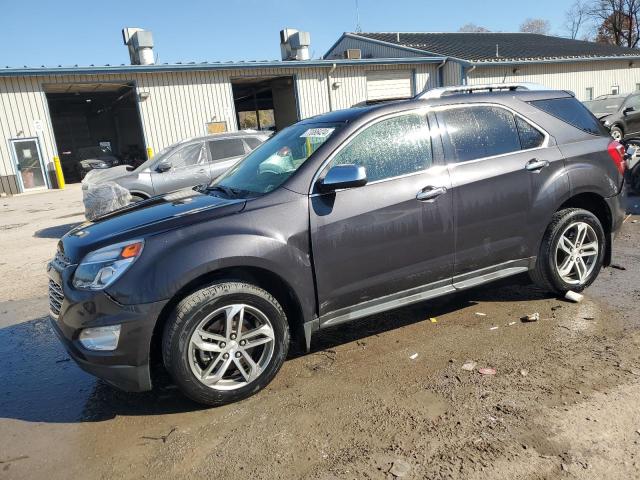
x: 616, y: 152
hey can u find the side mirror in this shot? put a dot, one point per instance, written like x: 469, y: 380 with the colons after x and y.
x: 628, y: 110
x: 343, y: 176
x: 163, y: 166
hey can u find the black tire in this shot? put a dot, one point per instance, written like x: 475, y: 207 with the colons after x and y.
x: 137, y: 198
x: 191, y: 311
x: 545, y: 273
x: 617, y: 133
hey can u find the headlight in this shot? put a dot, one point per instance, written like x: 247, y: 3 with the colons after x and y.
x: 101, y: 268
x: 101, y: 165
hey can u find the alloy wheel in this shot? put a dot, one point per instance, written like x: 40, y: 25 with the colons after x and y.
x: 231, y: 347
x: 577, y: 253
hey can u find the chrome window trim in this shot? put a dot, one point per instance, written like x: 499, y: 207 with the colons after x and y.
x: 545, y: 143
x: 422, y: 110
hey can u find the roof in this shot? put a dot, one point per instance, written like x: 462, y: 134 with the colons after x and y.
x: 204, y: 66
x: 490, y: 47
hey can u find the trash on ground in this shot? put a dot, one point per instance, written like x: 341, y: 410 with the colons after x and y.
x: 469, y: 365
x: 487, y: 371
x: 617, y: 267
x: 556, y: 307
x: 524, y: 372
x: 534, y: 317
x: 588, y: 318
x: 493, y: 328
x: 400, y: 468
x: 414, y: 356
x: 480, y: 314
x: 434, y: 320
x: 573, y: 296
x: 634, y: 371
x: 511, y: 323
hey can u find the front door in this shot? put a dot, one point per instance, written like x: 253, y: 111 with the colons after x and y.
x: 224, y: 153
x: 29, y: 164
x: 189, y: 166
x: 387, y: 241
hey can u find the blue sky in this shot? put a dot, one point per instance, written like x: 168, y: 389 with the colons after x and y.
x: 87, y: 32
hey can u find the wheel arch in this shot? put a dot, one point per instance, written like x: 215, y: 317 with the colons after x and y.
x: 261, y: 277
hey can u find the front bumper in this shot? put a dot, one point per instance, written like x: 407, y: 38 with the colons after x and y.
x: 126, y: 367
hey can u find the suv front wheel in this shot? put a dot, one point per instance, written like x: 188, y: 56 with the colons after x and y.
x: 225, y: 342
x: 571, y: 253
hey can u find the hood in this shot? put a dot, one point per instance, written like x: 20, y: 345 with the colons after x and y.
x: 601, y: 115
x: 149, y: 217
x: 106, y: 175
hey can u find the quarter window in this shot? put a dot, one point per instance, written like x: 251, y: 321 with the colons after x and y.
x: 573, y: 112
x: 480, y: 131
x: 390, y: 148
x: 530, y: 137
x: 226, y: 148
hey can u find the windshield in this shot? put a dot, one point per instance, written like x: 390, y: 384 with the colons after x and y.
x: 273, y: 162
x: 604, y: 105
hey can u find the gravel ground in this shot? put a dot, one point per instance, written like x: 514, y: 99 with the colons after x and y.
x: 562, y: 404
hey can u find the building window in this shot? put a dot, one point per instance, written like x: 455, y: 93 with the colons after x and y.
x: 615, y: 90
x: 589, y: 93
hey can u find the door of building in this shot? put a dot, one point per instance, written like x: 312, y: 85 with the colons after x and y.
x: 29, y: 165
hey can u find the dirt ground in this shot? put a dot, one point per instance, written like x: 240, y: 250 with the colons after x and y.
x: 564, y: 402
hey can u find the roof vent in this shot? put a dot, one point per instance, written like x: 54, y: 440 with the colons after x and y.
x: 140, y: 45
x: 294, y: 45
x: 353, y: 53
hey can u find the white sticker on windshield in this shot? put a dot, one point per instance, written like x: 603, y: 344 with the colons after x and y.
x: 317, y: 132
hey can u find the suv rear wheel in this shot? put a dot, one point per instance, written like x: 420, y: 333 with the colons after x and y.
x: 225, y: 342
x: 571, y: 253
x: 617, y: 133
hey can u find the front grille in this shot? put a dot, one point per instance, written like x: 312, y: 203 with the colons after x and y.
x: 56, y: 297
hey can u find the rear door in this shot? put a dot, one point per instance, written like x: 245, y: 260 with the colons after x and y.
x: 498, y: 162
x: 384, y: 241
x: 632, y: 117
x: 224, y: 153
x: 189, y: 167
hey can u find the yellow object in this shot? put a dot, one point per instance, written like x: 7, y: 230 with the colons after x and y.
x: 433, y: 320
x: 149, y: 153
x: 59, y: 174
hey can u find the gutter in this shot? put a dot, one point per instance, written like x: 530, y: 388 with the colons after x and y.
x: 440, y: 72
x: 331, y: 70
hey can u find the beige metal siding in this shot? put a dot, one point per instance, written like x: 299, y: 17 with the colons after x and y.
x: 452, y: 73
x: 573, y: 76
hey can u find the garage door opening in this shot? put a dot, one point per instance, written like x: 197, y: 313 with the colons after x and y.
x: 95, y: 121
x: 265, y: 103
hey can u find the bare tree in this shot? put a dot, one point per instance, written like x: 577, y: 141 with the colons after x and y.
x: 617, y: 21
x: 576, y: 19
x: 473, y: 28
x: 536, y: 25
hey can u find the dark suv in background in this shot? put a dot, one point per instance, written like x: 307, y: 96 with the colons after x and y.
x: 618, y: 113
x: 335, y: 218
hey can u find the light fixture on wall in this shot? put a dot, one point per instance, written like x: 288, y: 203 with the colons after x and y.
x: 337, y: 85
x: 631, y: 64
x: 516, y: 71
x: 142, y: 96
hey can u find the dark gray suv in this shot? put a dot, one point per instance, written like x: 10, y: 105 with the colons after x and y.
x: 336, y: 218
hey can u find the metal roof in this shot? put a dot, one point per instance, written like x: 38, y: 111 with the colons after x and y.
x: 497, y: 47
x: 193, y: 66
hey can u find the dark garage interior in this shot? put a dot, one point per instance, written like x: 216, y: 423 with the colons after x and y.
x: 95, y: 120
x: 264, y: 103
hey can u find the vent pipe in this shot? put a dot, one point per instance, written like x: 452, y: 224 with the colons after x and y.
x: 140, y: 45
x: 294, y: 44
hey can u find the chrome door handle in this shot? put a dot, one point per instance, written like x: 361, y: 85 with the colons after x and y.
x: 535, y: 165
x: 430, y: 193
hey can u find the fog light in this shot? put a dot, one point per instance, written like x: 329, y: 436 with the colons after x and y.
x: 100, y: 338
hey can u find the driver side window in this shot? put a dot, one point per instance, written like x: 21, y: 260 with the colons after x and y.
x: 189, y: 156
x: 633, y: 102
x: 390, y: 148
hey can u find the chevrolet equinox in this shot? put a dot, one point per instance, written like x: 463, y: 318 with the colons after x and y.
x: 335, y: 218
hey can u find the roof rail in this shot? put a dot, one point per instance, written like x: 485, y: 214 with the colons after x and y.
x: 490, y: 87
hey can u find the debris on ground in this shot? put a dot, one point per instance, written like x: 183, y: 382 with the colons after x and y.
x: 487, y: 371
x: 414, y: 356
x: 533, y: 317
x: 434, y: 320
x: 164, y: 438
x: 480, y: 314
x: 493, y: 328
x: 556, y: 307
x: 573, y: 296
x: 469, y: 365
x: 524, y: 372
x: 617, y: 267
x: 511, y: 323
x: 400, y: 468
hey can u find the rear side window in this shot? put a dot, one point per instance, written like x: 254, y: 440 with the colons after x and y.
x: 230, y: 147
x: 480, y: 131
x: 253, y: 142
x: 530, y: 137
x: 573, y: 112
x: 390, y: 148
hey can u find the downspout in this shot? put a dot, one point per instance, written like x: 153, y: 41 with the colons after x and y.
x: 440, y: 74
x: 331, y: 70
x: 465, y: 80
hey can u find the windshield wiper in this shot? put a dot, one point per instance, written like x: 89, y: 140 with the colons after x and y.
x: 228, y: 191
